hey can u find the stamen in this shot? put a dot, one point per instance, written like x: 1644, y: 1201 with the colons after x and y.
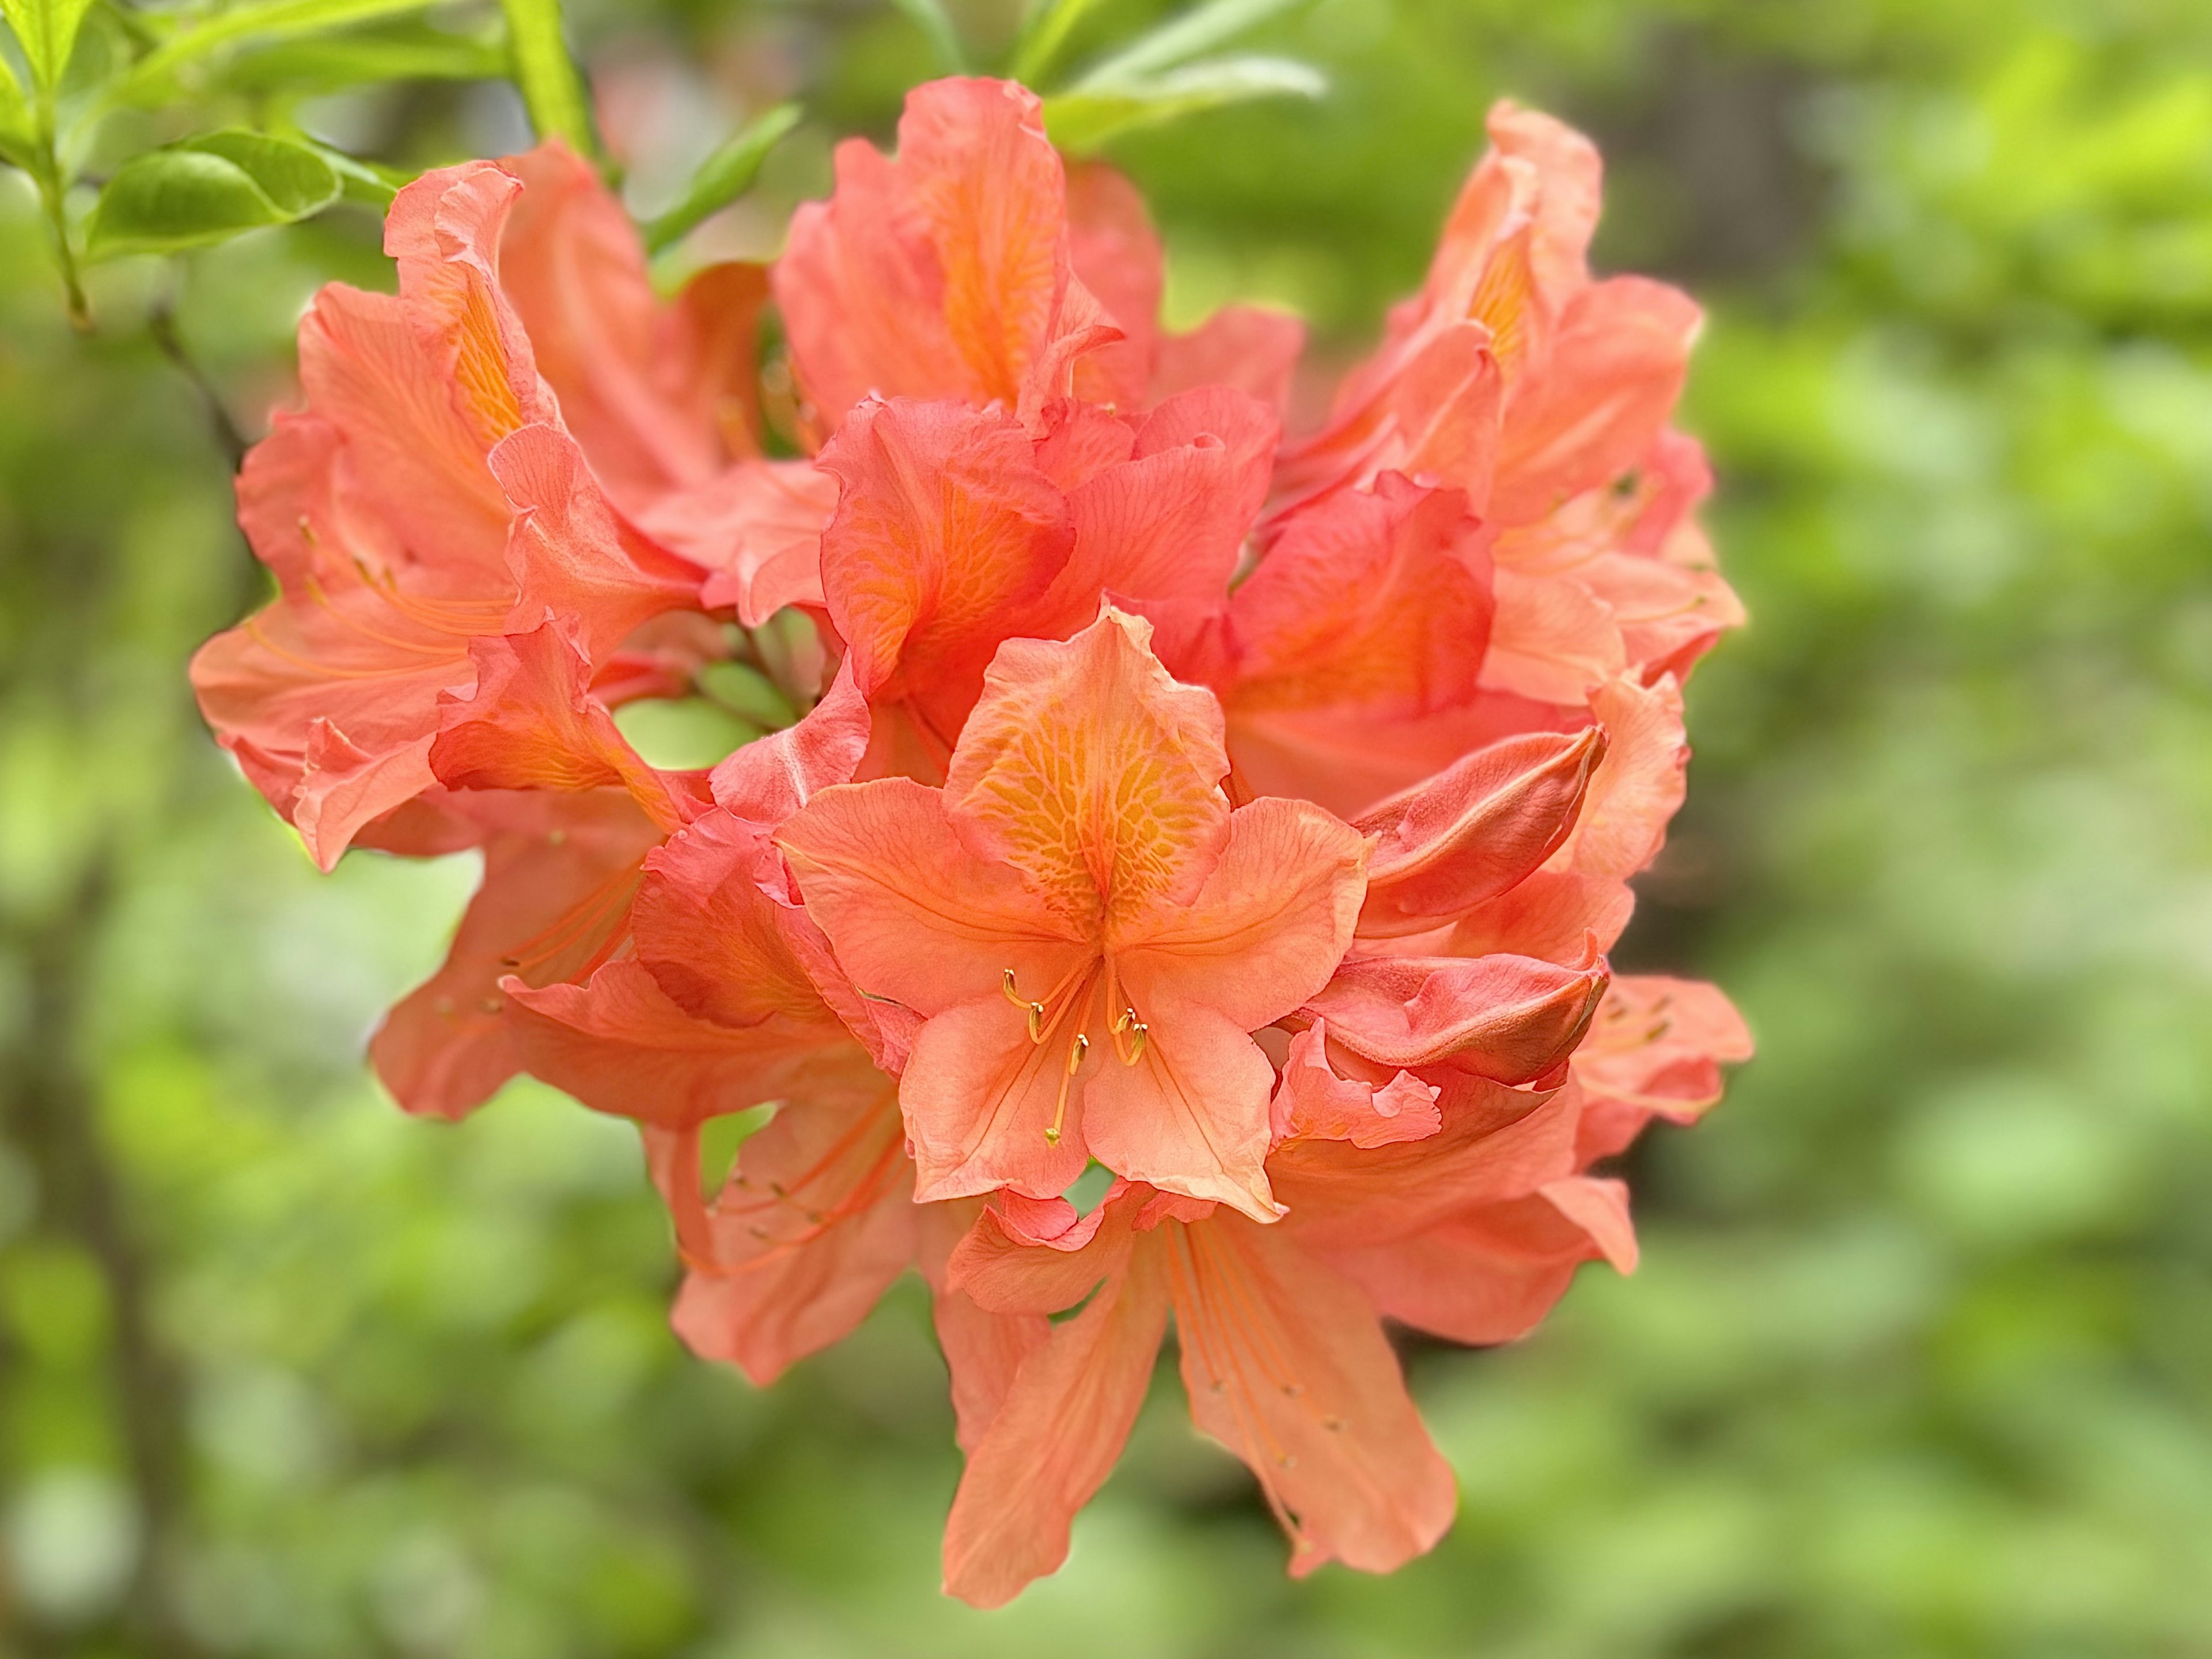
x: 1077, y: 1052
x: 1035, y: 1009
x: 1130, y: 1037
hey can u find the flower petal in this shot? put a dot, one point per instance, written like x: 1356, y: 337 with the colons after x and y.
x: 1286, y: 1365
x: 559, y: 872
x: 912, y: 913
x: 1265, y: 930
x: 1381, y: 599
x: 1054, y: 1440
x: 943, y: 529
x: 816, y: 1223
x: 1091, y: 771
x: 1474, y: 829
x: 1511, y: 1019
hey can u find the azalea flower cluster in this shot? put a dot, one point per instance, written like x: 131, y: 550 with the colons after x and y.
x: 1240, y: 819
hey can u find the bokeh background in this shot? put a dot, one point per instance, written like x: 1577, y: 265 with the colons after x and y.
x: 1919, y: 1360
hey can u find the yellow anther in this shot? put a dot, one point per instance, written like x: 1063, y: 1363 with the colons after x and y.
x: 1076, y: 1052
x: 1035, y: 1010
x: 1130, y: 1037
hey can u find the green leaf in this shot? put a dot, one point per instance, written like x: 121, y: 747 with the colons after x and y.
x: 207, y: 190
x: 1199, y: 30
x: 930, y: 17
x: 724, y: 176
x: 547, y: 75
x: 1044, y: 33
x: 368, y: 183
x: 18, y: 134
x: 47, y: 30
x: 271, y: 20
x: 1083, y: 118
x: 295, y: 179
x: 409, y: 50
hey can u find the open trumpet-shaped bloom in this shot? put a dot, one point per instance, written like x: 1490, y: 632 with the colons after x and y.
x: 1250, y: 817
x: 1087, y: 929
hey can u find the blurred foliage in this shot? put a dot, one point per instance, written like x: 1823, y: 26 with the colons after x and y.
x: 1920, y: 1358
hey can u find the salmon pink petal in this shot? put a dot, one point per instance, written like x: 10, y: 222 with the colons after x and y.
x: 1115, y: 254
x: 1055, y: 1439
x: 816, y: 1223
x: 772, y: 777
x: 1614, y: 373
x: 571, y: 554
x: 1095, y: 774
x: 1491, y: 1273
x: 913, y: 914
x: 944, y: 527
x: 1599, y: 1206
x: 1075, y: 442
x: 559, y: 874
x: 1655, y: 1049
x: 1315, y: 1103
x: 944, y: 273
x: 1381, y: 599
x: 719, y: 945
x: 1496, y: 1144
x: 443, y: 231
x: 1286, y: 1365
x: 1511, y: 1019
x: 1248, y: 348
x: 627, y: 371
x: 1554, y: 639
x: 1048, y: 1261
x: 988, y: 1106
x: 620, y: 1045
x: 756, y: 529
x: 1189, y: 1115
x: 1556, y: 915
x: 983, y: 1351
x: 1170, y: 523
x: 1474, y: 830
x: 1432, y: 412
x: 1637, y: 787
x: 406, y: 440
x: 1267, y: 928
x: 532, y: 723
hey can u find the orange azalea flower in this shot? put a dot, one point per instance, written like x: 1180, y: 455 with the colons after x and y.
x: 1283, y: 1353
x: 1088, y: 931
x: 956, y: 529
x: 973, y: 265
x: 428, y: 498
x: 1544, y: 394
x: 1252, y: 818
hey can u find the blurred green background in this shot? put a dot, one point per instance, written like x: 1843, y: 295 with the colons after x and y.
x: 1919, y: 1361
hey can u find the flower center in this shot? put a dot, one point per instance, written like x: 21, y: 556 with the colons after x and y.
x: 1130, y: 1035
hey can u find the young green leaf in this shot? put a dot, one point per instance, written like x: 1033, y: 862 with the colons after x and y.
x: 207, y: 190
x: 18, y: 134
x: 1044, y: 34
x: 407, y: 50
x: 552, y: 88
x: 46, y: 31
x: 724, y: 176
x: 1084, y: 118
x: 932, y: 19
x: 268, y: 20
x: 296, y: 181
x: 1182, y: 39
